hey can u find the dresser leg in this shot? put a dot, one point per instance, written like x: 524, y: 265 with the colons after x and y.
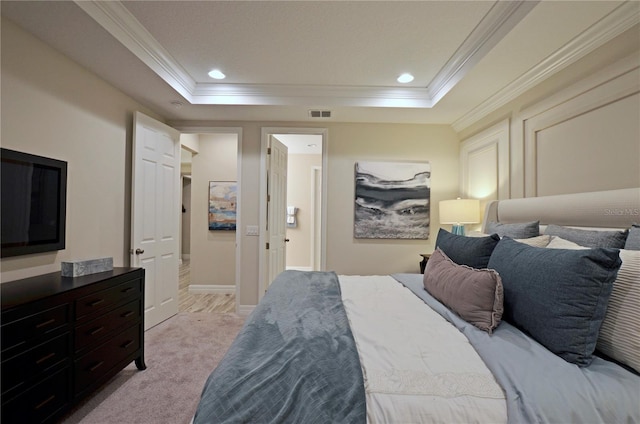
x: 140, y: 363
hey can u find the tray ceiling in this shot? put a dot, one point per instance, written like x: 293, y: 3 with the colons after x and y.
x: 282, y: 59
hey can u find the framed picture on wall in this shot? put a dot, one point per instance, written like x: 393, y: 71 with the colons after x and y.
x: 392, y: 200
x: 223, y: 201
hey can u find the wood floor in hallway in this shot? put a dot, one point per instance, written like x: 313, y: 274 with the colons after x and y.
x: 201, y: 302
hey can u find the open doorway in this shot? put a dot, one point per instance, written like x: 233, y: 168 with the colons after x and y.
x: 304, y: 161
x: 185, y: 217
x: 213, y: 251
x: 305, y: 199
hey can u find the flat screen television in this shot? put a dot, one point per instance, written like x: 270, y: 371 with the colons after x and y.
x: 34, y: 203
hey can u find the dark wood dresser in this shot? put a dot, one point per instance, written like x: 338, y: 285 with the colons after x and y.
x: 63, y: 337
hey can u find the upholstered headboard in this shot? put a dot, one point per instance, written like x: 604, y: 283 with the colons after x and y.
x: 600, y: 209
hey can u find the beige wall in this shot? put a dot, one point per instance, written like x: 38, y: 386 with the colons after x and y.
x: 584, y: 137
x: 602, y: 145
x: 213, y: 260
x: 348, y: 143
x: 53, y: 107
x: 299, y: 194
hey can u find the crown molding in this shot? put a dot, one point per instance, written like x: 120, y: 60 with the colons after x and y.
x: 116, y: 19
x: 264, y: 94
x: 615, y: 23
x: 496, y: 24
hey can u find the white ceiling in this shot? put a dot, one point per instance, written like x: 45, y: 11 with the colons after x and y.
x: 284, y: 58
x: 301, y: 144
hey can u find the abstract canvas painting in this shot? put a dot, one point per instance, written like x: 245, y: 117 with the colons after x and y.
x: 223, y: 199
x: 392, y: 200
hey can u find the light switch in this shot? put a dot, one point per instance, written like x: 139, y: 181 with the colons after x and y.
x: 253, y: 230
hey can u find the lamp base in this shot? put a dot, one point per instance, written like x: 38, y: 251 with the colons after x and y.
x: 457, y: 229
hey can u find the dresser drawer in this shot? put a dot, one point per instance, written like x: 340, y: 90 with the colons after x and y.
x: 20, y: 371
x: 93, y: 331
x: 98, y: 301
x: 39, y: 403
x: 98, y: 362
x: 32, y: 327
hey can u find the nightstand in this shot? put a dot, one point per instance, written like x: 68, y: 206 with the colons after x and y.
x: 423, y: 262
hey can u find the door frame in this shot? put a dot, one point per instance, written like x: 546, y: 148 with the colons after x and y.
x: 264, y: 142
x: 316, y: 217
x: 188, y: 129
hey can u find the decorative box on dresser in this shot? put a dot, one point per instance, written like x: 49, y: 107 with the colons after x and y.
x: 63, y: 337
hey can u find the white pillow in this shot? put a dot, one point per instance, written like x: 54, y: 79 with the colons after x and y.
x: 620, y: 332
x: 560, y: 243
x: 619, y: 335
x: 538, y: 241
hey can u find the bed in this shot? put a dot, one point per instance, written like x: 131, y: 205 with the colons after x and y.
x: 544, y: 328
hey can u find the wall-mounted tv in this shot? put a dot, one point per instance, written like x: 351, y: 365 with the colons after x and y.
x: 34, y: 203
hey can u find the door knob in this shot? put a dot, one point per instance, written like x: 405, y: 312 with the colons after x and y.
x: 139, y: 251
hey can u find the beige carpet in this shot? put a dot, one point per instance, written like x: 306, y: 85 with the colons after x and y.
x: 180, y: 353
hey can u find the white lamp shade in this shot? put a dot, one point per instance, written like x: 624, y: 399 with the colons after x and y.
x: 460, y: 211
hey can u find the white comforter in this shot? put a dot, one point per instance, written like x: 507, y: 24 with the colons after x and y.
x: 417, y: 367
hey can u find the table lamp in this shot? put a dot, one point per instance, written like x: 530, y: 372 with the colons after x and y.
x: 459, y: 212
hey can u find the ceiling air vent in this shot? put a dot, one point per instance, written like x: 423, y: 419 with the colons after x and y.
x: 320, y: 113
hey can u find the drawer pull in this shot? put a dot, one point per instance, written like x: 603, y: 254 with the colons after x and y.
x: 46, y: 357
x: 96, y: 366
x: 96, y: 330
x: 127, y: 290
x: 44, y: 402
x: 126, y: 314
x: 126, y: 344
x: 44, y: 324
x: 96, y: 302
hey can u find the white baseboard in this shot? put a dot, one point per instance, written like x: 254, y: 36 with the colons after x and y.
x: 202, y: 289
x: 299, y: 268
x: 245, y: 309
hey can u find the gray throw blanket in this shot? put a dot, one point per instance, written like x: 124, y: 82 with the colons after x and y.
x: 294, y: 361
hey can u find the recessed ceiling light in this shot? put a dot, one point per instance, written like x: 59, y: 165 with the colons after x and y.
x: 217, y: 74
x: 405, y: 78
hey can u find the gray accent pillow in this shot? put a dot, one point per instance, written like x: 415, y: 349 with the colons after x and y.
x: 558, y: 296
x: 619, y: 336
x: 518, y: 231
x: 474, y: 294
x: 589, y: 238
x: 471, y: 251
x: 633, y: 238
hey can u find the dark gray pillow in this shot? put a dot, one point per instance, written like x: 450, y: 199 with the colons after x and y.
x: 633, y: 238
x: 589, y: 238
x: 471, y: 251
x: 558, y: 296
x: 518, y: 231
x: 474, y: 294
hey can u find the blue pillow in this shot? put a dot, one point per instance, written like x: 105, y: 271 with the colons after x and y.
x: 589, y: 238
x: 521, y: 230
x: 558, y: 296
x: 471, y: 251
x: 633, y: 239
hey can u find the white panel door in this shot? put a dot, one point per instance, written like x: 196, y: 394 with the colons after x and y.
x: 155, y: 220
x: 276, y: 208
